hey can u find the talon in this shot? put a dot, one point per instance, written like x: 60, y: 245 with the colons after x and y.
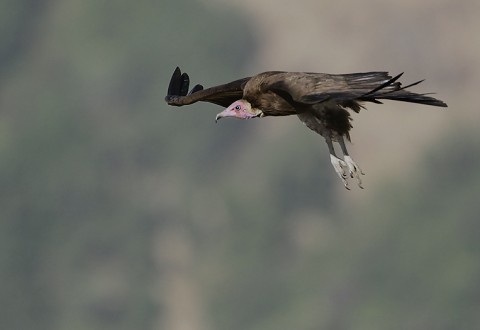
x: 345, y: 184
x: 354, y: 170
x: 339, y: 167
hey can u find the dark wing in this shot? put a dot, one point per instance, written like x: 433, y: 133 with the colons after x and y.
x: 346, y: 90
x: 222, y: 95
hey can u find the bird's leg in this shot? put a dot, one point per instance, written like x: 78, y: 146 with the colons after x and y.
x: 353, y: 168
x: 337, y: 163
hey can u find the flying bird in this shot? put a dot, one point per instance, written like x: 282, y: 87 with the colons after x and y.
x: 320, y: 100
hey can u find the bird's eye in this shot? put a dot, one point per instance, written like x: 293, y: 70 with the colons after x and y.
x: 237, y: 107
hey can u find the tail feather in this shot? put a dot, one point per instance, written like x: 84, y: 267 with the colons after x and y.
x: 392, y: 90
x: 406, y: 96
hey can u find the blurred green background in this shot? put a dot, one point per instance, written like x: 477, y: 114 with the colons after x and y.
x: 119, y: 212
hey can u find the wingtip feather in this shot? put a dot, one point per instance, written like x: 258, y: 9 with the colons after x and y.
x: 195, y: 89
x: 178, y: 83
x: 184, y: 84
x: 174, y: 85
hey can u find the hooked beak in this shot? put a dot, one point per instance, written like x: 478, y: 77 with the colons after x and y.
x: 225, y: 113
x: 229, y: 113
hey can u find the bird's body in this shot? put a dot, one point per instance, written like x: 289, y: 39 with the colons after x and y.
x: 319, y: 100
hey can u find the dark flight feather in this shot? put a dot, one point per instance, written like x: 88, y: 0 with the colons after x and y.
x: 175, y: 85
x: 222, y: 95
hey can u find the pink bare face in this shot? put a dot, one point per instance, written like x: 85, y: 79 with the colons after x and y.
x: 240, y: 109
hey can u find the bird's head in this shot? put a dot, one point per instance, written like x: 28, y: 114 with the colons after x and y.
x: 240, y: 109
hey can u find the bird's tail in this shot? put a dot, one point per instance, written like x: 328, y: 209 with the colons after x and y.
x: 393, y: 90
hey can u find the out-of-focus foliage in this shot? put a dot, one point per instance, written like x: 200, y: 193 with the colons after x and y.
x: 119, y: 212
x: 85, y: 135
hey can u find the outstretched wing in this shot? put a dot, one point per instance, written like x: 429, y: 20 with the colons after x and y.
x: 345, y: 89
x: 222, y: 95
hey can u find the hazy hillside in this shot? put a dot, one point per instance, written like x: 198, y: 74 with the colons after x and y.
x: 119, y: 212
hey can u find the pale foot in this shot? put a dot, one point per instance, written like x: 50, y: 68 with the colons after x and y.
x: 354, y: 169
x: 338, y: 166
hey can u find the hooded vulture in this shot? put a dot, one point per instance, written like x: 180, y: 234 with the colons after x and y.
x: 320, y: 100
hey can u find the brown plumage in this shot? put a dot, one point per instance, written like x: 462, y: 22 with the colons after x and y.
x: 319, y: 100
